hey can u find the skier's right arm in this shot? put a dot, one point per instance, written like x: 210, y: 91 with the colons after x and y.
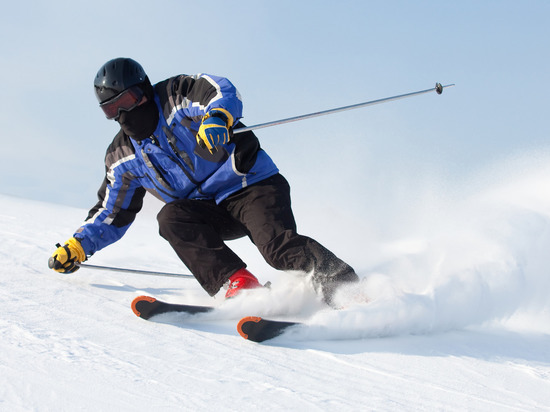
x: 120, y: 198
x: 106, y: 224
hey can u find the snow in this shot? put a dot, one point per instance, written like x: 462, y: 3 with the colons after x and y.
x: 452, y: 313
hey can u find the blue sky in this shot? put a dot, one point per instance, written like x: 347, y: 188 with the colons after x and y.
x: 287, y: 58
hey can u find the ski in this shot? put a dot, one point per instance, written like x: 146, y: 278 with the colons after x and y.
x: 253, y: 328
x: 257, y: 329
x: 146, y: 307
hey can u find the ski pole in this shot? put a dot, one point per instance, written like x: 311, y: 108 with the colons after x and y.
x: 438, y: 89
x: 136, y: 271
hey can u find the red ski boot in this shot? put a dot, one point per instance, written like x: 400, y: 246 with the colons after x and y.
x: 241, y: 279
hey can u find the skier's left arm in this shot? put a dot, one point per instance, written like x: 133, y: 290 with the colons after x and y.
x: 217, y: 102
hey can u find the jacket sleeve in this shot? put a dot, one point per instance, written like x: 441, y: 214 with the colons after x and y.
x: 120, y: 198
x: 192, y: 97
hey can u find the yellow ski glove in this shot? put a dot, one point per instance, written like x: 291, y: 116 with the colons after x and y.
x: 67, y: 257
x: 214, y: 129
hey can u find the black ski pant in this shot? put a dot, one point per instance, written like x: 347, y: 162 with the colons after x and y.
x: 197, y: 229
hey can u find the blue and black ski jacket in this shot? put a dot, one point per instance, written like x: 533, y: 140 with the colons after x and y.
x: 170, y: 164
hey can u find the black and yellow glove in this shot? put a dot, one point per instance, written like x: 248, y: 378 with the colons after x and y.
x: 214, y: 129
x: 67, y: 257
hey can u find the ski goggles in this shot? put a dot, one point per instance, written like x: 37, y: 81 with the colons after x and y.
x: 125, y: 101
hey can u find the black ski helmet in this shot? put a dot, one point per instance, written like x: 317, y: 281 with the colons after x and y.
x: 117, y: 75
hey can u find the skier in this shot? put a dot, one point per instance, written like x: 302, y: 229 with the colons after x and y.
x: 176, y: 142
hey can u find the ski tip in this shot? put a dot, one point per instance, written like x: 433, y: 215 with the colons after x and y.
x: 136, y: 303
x: 245, y: 320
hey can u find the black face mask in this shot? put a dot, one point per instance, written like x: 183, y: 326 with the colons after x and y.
x: 140, y: 122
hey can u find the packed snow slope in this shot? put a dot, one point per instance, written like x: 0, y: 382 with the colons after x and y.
x: 452, y: 313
